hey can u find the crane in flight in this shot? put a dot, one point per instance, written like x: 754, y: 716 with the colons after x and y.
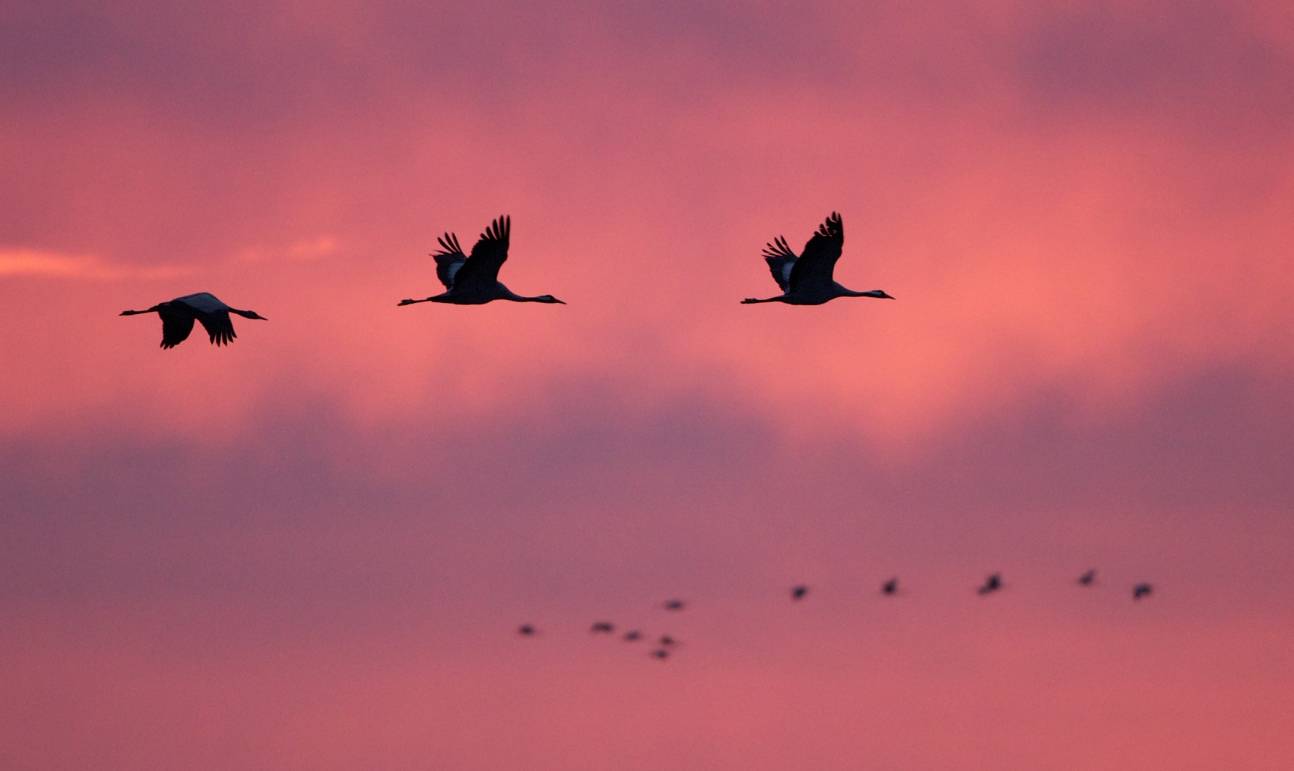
x: 473, y: 279
x: 179, y: 314
x: 807, y: 279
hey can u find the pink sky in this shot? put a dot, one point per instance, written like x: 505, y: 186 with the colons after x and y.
x: 310, y: 550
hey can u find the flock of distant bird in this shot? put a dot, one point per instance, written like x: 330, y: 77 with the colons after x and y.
x: 473, y: 279
x: 666, y: 643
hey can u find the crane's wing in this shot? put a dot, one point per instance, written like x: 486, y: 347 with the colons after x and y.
x: 818, y: 262
x: 780, y: 261
x: 449, y: 259
x: 219, y: 328
x: 176, y: 326
x: 202, y: 302
x: 482, y: 266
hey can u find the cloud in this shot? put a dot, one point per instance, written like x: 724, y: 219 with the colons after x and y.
x: 23, y: 263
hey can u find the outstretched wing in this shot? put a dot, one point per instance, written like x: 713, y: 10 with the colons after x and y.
x: 780, y: 261
x: 449, y: 259
x: 219, y: 328
x: 176, y: 325
x: 482, y: 266
x: 818, y: 262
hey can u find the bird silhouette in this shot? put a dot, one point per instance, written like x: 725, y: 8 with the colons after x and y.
x: 633, y: 635
x: 991, y: 584
x: 1141, y: 590
x: 1088, y: 578
x: 890, y: 587
x: 526, y: 630
x: 674, y: 605
x: 667, y: 641
x: 474, y: 279
x: 179, y: 314
x: 808, y: 278
x: 602, y: 627
x: 660, y: 653
x: 798, y: 591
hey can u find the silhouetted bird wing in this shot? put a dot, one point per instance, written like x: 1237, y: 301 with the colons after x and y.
x: 482, y: 267
x: 818, y: 262
x: 780, y: 261
x: 219, y: 328
x: 177, y: 323
x: 449, y: 259
x: 202, y: 302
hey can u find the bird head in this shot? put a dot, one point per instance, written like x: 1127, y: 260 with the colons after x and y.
x: 882, y: 295
x: 547, y: 298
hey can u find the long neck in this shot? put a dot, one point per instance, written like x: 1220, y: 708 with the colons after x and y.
x: 877, y: 293
x: 781, y: 298
x: 136, y: 313
x: 508, y: 294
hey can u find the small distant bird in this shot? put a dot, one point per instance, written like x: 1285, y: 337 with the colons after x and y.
x: 526, y: 630
x: 890, y: 587
x: 991, y: 584
x: 668, y: 641
x: 808, y: 278
x: 798, y: 591
x: 474, y: 279
x: 602, y: 627
x: 179, y: 314
x: 1088, y: 578
x: 1141, y: 590
x: 674, y: 605
x: 660, y: 653
x: 633, y: 635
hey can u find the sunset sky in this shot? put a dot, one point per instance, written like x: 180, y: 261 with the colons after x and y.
x: 311, y: 549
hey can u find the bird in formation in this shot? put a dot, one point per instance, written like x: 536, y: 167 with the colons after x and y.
x: 674, y: 605
x: 633, y: 635
x: 991, y: 584
x: 526, y: 630
x: 1142, y: 590
x: 473, y: 279
x: 179, y: 314
x: 808, y: 279
x: 798, y: 591
x: 602, y: 627
x: 890, y: 587
x: 1088, y: 578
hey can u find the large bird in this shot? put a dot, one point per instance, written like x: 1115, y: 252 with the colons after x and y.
x: 179, y: 314
x: 807, y: 279
x: 474, y: 279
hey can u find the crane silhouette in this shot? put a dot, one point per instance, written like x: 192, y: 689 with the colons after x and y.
x: 991, y: 584
x: 808, y: 279
x: 179, y: 314
x: 474, y: 279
